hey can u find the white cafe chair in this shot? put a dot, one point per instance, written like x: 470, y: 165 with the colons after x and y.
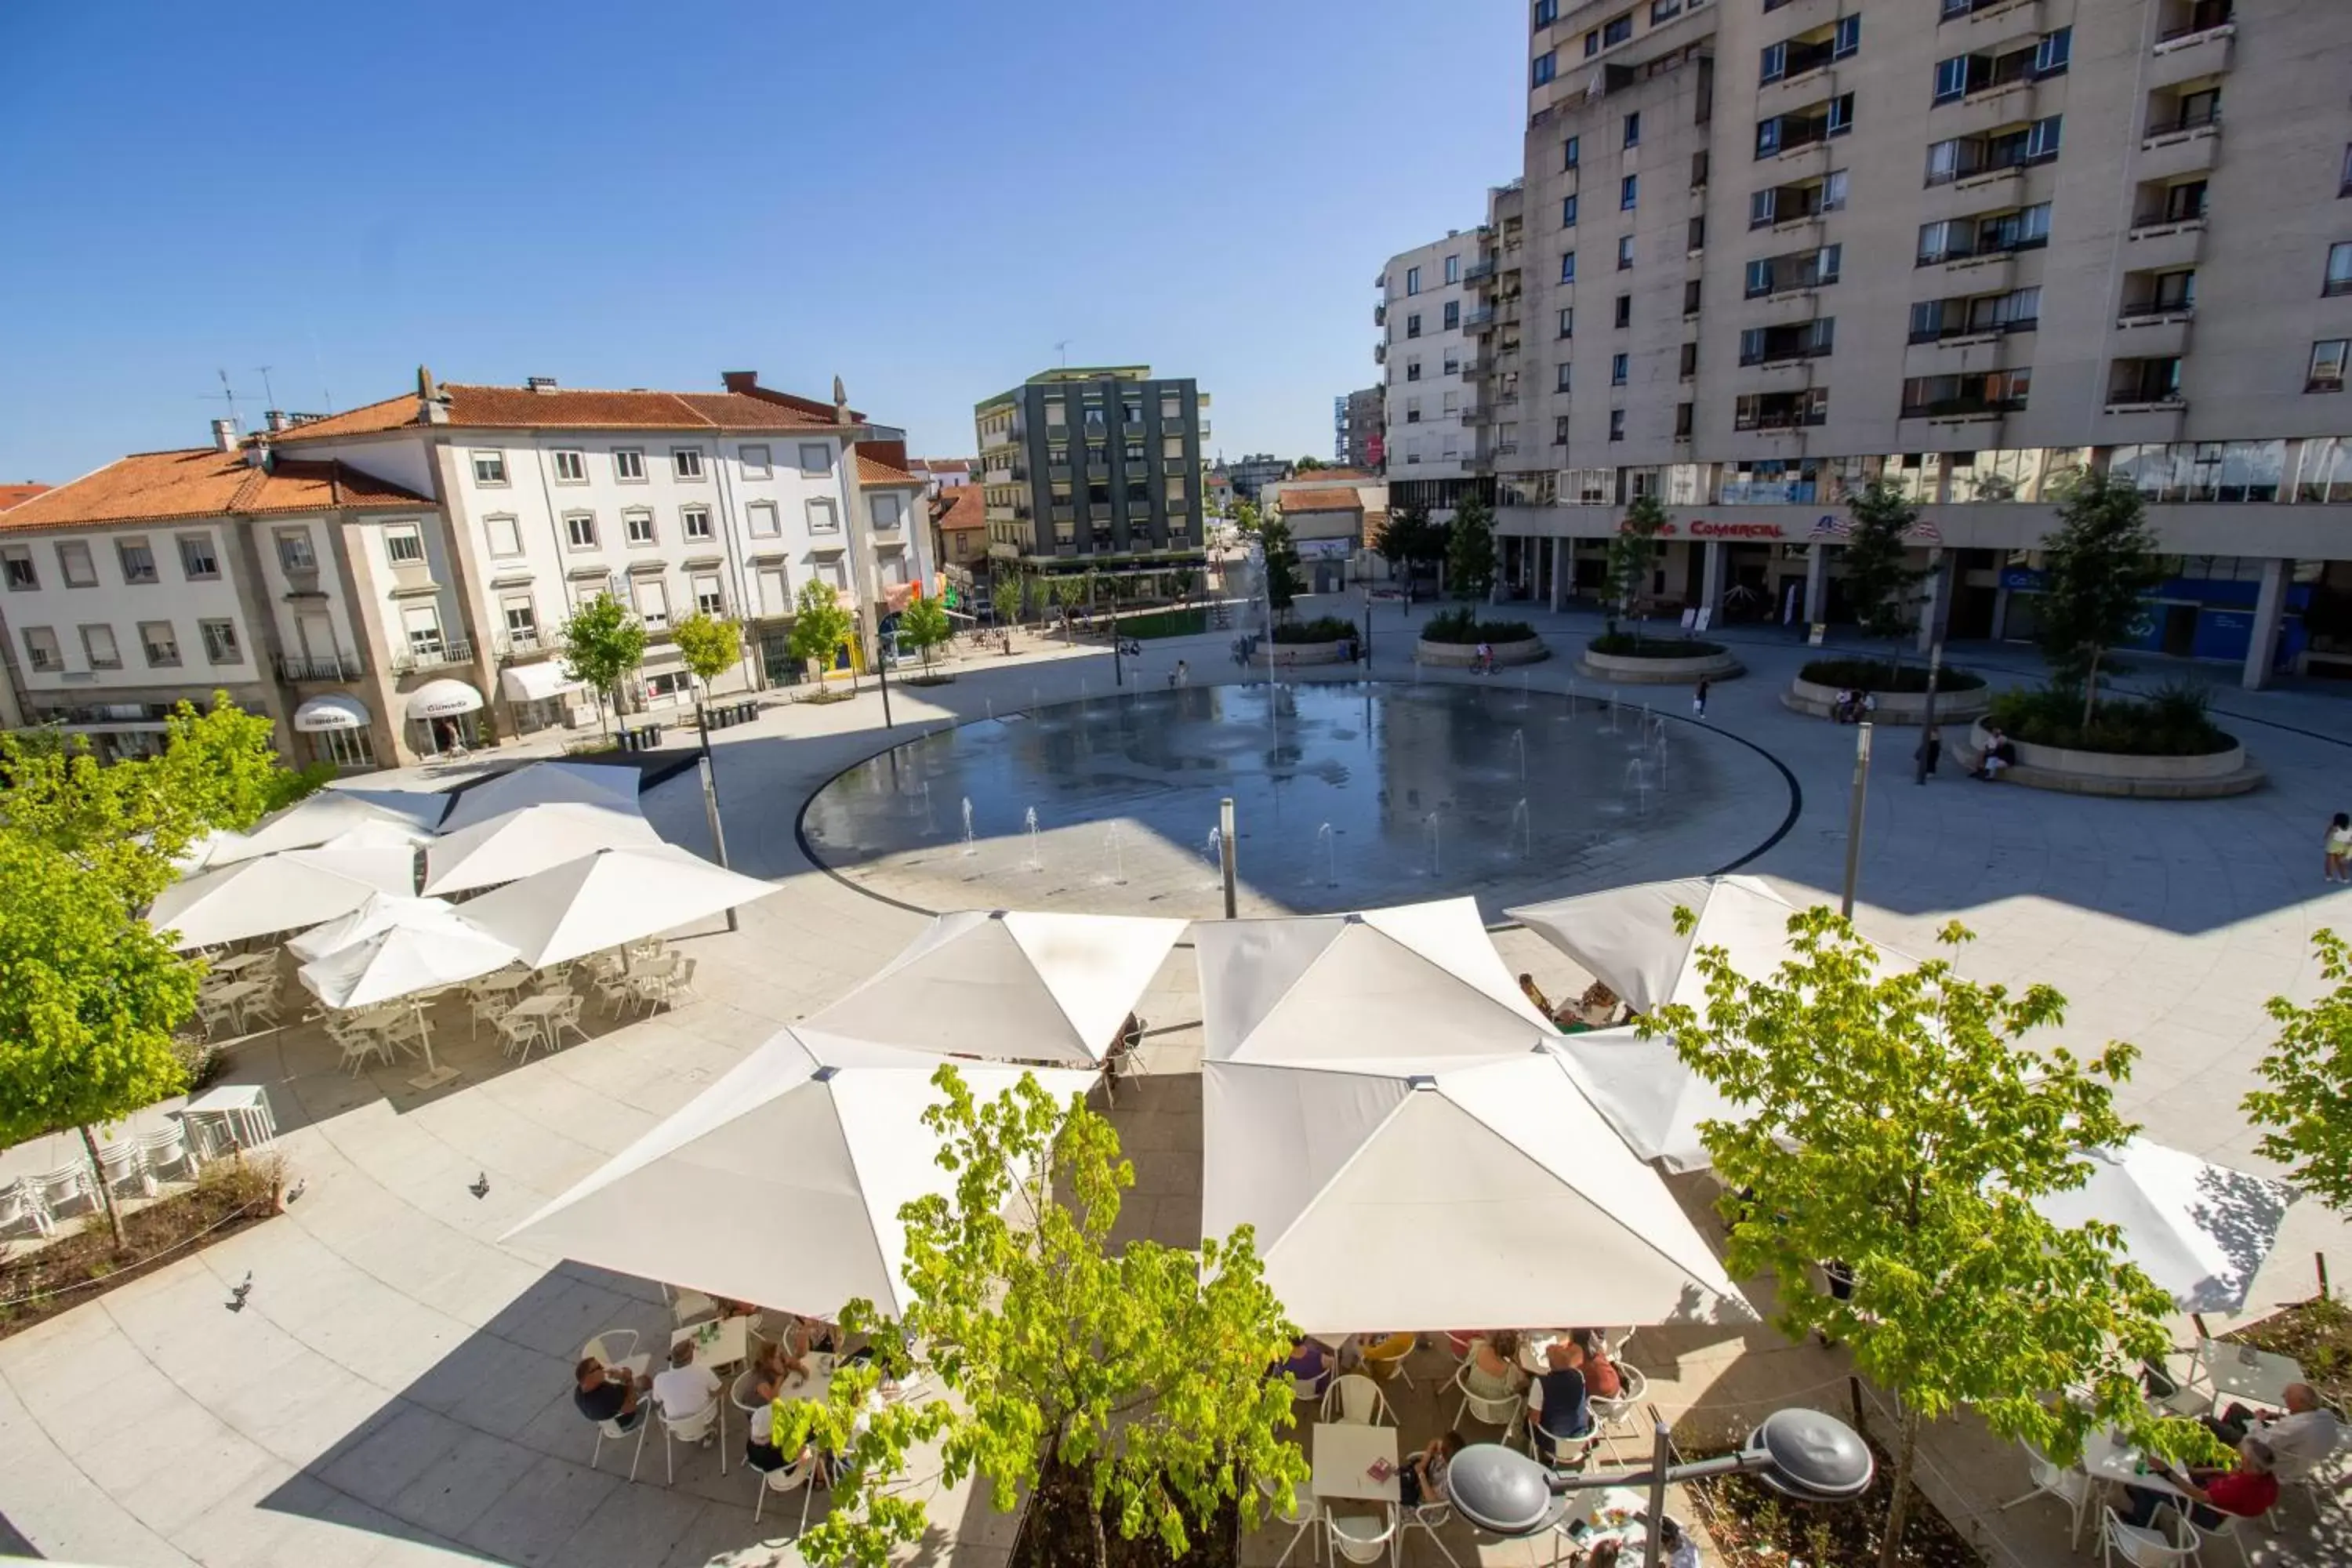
x: 2052, y: 1479
x: 120, y: 1166
x: 167, y: 1147
x: 2232, y: 1531
x: 62, y: 1186
x: 19, y: 1204
x: 687, y: 1306
x: 1426, y: 1518
x: 613, y: 1347
x: 1356, y: 1400
x: 1503, y: 1412
x: 1610, y: 1417
x: 1359, y: 1537
x: 1305, y: 1516
x: 2140, y: 1546
x: 566, y: 1017
x: 692, y: 1429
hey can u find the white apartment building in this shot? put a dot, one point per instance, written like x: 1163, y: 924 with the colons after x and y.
x: 1431, y: 368
x: 391, y: 581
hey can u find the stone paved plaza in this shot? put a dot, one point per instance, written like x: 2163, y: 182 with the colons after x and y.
x: 396, y: 1388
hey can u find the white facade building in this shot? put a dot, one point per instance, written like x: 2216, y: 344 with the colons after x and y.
x: 1430, y: 364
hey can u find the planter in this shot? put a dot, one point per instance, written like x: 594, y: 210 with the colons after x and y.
x: 1286, y: 654
x: 2206, y: 777
x: 1463, y: 655
x: 1623, y: 669
x: 1894, y: 707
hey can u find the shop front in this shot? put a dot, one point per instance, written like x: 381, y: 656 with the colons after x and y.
x: 542, y: 697
x: 2186, y: 617
x: 338, y: 730
x: 445, y: 718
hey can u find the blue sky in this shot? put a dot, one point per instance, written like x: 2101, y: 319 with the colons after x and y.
x: 921, y: 198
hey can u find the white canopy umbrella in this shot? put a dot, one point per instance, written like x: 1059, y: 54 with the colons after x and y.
x: 517, y: 844
x: 602, y: 901
x: 403, y: 959
x: 614, y: 787
x: 1642, y: 1089
x: 1625, y: 937
x: 1032, y: 987
x: 1447, y: 1195
x: 316, y: 818
x: 380, y: 913
x: 2200, y: 1231
x: 781, y: 1183
x: 1421, y: 981
x: 288, y: 891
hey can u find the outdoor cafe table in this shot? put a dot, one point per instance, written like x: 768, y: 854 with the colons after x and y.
x: 539, y: 1009
x: 403, y: 1026
x: 2107, y: 1459
x: 238, y: 962
x: 717, y: 1343
x: 238, y: 994
x: 2253, y: 1376
x: 1344, y: 1453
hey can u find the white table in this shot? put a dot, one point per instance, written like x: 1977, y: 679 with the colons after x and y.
x: 539, y: 1009
x: 2260, y: 1380
x: 399, y: 1026
x: 236, y: 962
x: 717, y: 1343
x: 2107, y: 1459
x: 1533, y: 1345
x: 502, y: 982
x: 1344, y: 1454
x: 238, y: 994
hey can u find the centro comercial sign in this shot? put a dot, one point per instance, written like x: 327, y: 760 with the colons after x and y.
x: 1700, y: 528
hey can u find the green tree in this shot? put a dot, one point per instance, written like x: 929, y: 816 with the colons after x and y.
x: 708, y: 646
x: 1066, y: 591
x: 1247, y: 518
x: 820, y: 624
x: 1004, y: 598
x: 1180, y: 584
x: 1280, y: 564
x: 1633, y: 555
x: 601, y: 643
x: 1402, y: 541
x: 2308, y: 1105
x: 91, y: 999
x: 2098, y: 566
x: 1879, y: 581
x: 1902, y: 1127
x: 1308, y: 465
x: 1470, y: 552
x: 1120, y: 1382
x: 923, y: 625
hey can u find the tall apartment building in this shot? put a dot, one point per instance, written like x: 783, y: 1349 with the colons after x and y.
x: 1430, y: 351
x: 1099, y: 466
x: 1249, y: 476
x: 1359, y: 432
x: 1774, y: 249
x: 380, y: 581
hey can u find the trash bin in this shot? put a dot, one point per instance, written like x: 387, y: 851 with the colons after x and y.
x: 650, y: 736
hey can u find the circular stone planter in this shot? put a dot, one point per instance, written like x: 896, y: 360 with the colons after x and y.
x: 1463, y: 655
x: 2208, y: 777
x: 1626, y: 670
x: 1286, y: 654
x: 1894, y: 707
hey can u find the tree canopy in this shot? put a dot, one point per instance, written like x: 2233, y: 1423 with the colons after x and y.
x: 1281, y: 565
x: 1470, y: 552
x: 923, y: 625
x: 1004, y: 598
x: 601, y: 643
x: 1122, y: 1381
x: 708, y: 646
x: 2098, y: 566
x: 1879, y: 581
x: 820, y: 624
x: 1902, y: 1129
x: 1633, y: 555
x: 2308, y: 1103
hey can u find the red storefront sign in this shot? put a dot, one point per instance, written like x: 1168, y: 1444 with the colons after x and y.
x: 1700, y: 528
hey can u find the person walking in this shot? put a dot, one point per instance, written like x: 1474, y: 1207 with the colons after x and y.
x: 1698, y: 697
x: 2339, y: 847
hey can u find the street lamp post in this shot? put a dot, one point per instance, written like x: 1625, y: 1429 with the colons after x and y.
x: 1860, y: 793
x: 1927, y: 720
x: 1801, y: 1454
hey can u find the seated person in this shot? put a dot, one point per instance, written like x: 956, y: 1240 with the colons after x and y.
x: 1535, y: 994
x: 1681, y: 1551
x: 608, y: 1393
x: 686, y: 1388
x: 1492, y: 1368
x: 778, y: 1361
x: 1421, y: 1482
x: 1558, y: 1404
x: 2249, y: 1491
x: 1307, y: 1363
x: 2299, y: 1439
x: 759, y: 1450
x: 1601, y: 1379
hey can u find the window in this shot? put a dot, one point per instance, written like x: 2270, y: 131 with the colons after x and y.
x: 489, y: 468
x: 1624, y: 310
x: 1546, y: 12
x: 889, y: 511
x: 638, y: 526
x: 521, y: 618
x: 1545, y: 63
x: 1413, y: 325
x: 571, y: 467
x: 1616, y: 425
x: 1568, y: 212
x: 1847, y: 39
x: 1665, y: 10
x: 16, y: 561
x: 580, y: 529
x: 822, y: 517
x: 694, y: 522
x: 1452, y: 317
x: 220, y: 642
x: 629, y: 465
x: 1629, y: 192
x: 402, y: 544
x: 1952, y: 80
x: 2344, y: 183
x: 1413, y: 410
x: 2339, y: 269
x: 1568, y: 321
x: 98, y: 645
x: 758, y: 463
x: 1775, y: 63
x: 504, y: 532
x: 775, y: 592
x: 1559, y: 378
x: 1840, y: 114
x: 2327, y: 365
x: 1624, y: 252
x: 2054, y: 52
x: 74, y: 564
x: 708, y: 597
x: 1568, y: 266
x: 1412, y: 281
x: 1684, y: 413
x: 137, y: 559
x: 197, y: 562
x: 159, y: 643
x: 422, y: 623
x: 816, y: 458
x: 1570, y: 149
x: 685, y: 462
x: 652, y: 597
x: 1687, y: 367
x: 1698, y: 169
x: 1453, y: 269
x: 1559, y: 429
x: 1413, y: 370
x: 41, y: 648
x: 1633, y: 129
x: 1618, y: 367
x: 1694, y: 240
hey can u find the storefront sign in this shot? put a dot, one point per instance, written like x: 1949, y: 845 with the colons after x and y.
x: 1702, y: 529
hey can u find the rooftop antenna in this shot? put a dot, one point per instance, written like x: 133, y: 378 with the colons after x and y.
x: 1063, y: 349
x: 269, y: 398
x: 229, y: 393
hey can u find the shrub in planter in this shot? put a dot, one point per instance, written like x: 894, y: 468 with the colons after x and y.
x: 1464, y: 626
x: 2172, y: 723
x: 1625, y: 644
x: 1871, y: 675
x: 1323, y: 628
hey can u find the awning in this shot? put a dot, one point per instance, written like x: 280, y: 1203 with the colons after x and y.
x: 536, y: 682
x: 442, y: 699
x: 334, y: 711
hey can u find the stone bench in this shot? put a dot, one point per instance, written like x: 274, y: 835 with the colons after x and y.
x: 2208, y: 777
x: 1952, y: 706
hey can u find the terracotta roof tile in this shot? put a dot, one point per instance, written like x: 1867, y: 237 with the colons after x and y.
x: 12, y: 494
x: 519, y: 408
x: 962, y: 507
x: 202, y: 482
x: 943, y: 465
x: 1339, y: 498
x: 873, y: 470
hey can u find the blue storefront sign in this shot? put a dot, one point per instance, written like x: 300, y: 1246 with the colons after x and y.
x: 2225, y: 620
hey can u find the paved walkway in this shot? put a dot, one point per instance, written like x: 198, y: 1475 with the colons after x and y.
x: 395, y: 1388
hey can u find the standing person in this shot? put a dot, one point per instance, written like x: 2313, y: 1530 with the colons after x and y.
x: 1486, y: 658
x: 2339, y: 846
x: 1183, y: 673
x: 1698, y: 697
x: 1931, y: 749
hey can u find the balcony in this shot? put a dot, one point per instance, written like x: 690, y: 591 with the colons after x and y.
x: 297, y: 670
x: 1057, y: 473
x: 1471, y: 369
x: 2205, y: 22
x: 1964, y: 409
x: 1969, y: 10
x: 1480, y: 272
x: 1380, y: 356
x: 2181, y: 143
x: 1381, y: 314
x: 1478, y: 319
x: 527, y: 645
x: 433, y: 655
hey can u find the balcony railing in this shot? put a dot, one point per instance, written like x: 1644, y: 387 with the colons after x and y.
x: 2135, y: 315
x: 1785, y: 356
x: 1962, y: 407
x: 293, y: 669
x: 1975, y: 329
x: 2201, y: 120
x: 439, y: 655
x: 1484, y: 316
x: 1479, y: 272
x: 1955, y: 9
